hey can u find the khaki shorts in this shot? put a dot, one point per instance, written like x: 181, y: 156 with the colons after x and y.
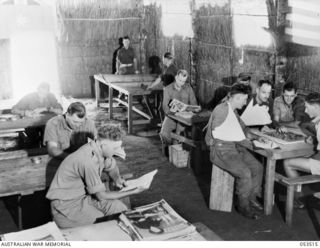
x: 315, y: 165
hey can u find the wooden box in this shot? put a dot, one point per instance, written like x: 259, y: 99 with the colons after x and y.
x: 178, y: 156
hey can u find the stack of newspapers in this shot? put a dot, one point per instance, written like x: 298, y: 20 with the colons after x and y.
x: 157, y: 221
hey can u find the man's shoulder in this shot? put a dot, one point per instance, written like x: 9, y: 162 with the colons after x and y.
x: 56, y: 120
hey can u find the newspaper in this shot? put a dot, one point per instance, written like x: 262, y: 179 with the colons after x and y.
x: 157, y: 221
x: 143, y: 181
x: 46, y: 232
x: 178, y: 106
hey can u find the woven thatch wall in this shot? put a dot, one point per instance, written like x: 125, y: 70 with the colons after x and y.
x: 5, y: 82
x: 89, y: 33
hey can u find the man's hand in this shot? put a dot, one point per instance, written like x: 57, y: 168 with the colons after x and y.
x: 282, y: 129
x: 309, y: 140
x: 120, y: 183
x: 139, y: 190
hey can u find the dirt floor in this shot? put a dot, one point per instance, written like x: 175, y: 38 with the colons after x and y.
x: 187, y: 194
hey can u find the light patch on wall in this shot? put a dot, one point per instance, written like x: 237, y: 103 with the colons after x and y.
x: 176, y: 18
x: 250, y: 18
x: 33, y: 60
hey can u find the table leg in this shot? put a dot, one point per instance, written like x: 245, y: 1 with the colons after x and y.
x: 129, y: 114
x: 97, y: 91
x: 269, y: 185
x: 110, y: 102
x: 196, y: 153
x: 19, y: 213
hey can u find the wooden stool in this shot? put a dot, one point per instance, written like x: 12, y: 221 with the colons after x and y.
x: 291, y: 183
x: 221, y: 190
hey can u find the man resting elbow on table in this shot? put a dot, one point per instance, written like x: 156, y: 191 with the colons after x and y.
x: 177, y: 90
x: 77, y: 194
x: 66, y: 133
x: 312, y: 164
x: 225, y: 131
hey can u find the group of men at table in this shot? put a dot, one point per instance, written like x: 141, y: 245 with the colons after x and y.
x: 79, y: 196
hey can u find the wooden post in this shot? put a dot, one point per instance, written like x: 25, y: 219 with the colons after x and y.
x: 129, y: 114
x: 269, y: 185
x: 97, y: 91
x: 221, y: 190
x: 110, y: 103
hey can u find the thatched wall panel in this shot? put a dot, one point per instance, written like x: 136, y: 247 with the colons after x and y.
x: 304, y: 71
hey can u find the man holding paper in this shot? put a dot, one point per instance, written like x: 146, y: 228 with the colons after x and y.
x: 78, y: 195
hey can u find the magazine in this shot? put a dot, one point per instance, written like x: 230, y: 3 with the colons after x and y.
x: 157, y: 221
x: 143, y: 181
x: 46, y: 232
x: 178, y: 106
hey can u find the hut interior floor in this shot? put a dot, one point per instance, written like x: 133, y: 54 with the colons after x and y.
x: 187, y: 194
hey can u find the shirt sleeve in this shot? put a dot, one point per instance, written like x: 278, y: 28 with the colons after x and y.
x: 50, y: 133
x: 53, y: 102
x: 91, y: 178
x: 192, y: 97
x: 217, y: 117
x: 276, y: 109
x: 165, y: 101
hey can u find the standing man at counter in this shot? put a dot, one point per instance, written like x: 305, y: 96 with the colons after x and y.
x: 126, y: 59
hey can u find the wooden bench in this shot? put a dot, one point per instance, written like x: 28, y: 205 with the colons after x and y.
x: 291, y: 183
x: 221, y: 190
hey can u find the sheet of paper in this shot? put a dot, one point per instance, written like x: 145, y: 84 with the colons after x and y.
x: 143, y: 181
x: 46, y: 232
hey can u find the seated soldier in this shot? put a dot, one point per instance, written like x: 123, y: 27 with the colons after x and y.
x: 289, y: 108
x: 66, y: 133
x: 312, y: 164
x: 35, y: 103
x: 77, y: 194
x: 177, y: 90
x: 225, y: 130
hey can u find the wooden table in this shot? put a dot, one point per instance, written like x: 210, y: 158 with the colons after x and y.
x: 196, y: 122
x: 110, y: 231
x: 26, y: 122
x: 272, y: 156
x: 130, y: 85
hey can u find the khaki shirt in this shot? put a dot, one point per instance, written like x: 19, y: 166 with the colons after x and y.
x: 58, y: 131
x: 78, y: 175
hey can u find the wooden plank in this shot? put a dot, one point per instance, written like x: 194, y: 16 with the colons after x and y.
x: 269, y: 186
x: 301, y: 180
x: 23, y: 175
x: 138, y: 111
x: 221, y: 190
x: 112, y: 78
x: 23, y: 153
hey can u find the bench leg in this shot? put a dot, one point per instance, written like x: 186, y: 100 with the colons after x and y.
x: 289, y: 204
x: 19, y: 213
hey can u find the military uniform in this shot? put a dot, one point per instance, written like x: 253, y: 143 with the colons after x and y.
x: 73, y: 188
x: 58, y: 131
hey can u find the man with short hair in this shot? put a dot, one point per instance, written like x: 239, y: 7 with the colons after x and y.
x: 312, y: 164
x: 182, y: 92
x: 259, y: 108
x: 66, y: 133
x: 126, y: 61
x: 289, y: 108
x: 77, y: 194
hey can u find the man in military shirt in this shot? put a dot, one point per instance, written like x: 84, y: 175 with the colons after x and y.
x: 66, y: 133
x: 77, y: 194
x: 126, y: 61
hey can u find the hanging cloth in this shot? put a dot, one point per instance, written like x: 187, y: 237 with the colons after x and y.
x: 256, y: 115
x: 230, y: 129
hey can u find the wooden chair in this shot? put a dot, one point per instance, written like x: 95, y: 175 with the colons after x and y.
x: 221, y: 190
x: 291, y: 183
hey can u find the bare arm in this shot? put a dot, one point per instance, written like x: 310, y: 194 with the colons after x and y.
x: 55, y: 151
x: 112, y: 195
x: 155, y: 83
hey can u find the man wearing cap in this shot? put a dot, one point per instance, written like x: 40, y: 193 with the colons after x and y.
x: 126, y: 61
x: 245, y: 78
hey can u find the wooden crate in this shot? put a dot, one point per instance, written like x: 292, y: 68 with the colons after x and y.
x: 178, y: 156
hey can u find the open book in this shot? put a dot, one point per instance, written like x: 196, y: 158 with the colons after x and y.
x: 178, y: 106
x: 157, y: 221
x: 143, y: 181
x: 46, y: 232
